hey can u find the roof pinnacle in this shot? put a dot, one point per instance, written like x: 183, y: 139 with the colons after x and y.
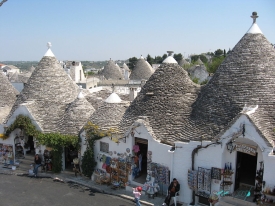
x: 49, y: 45
x: 254, y: 16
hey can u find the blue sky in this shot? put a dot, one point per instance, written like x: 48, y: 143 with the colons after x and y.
x: 119, y: 29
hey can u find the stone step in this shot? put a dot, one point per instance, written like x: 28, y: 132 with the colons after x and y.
x: 230, y: 201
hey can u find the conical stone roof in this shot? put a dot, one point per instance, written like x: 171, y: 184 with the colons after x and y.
x: 126, y: 67
x: 108, y: 115
x: 7, y: 97
x: 183, y: 62
x: 111, y: 71
x: 49, y: 84
x: 76, y: 115
x: 7, y: 91
x: 166, y: 101
x: 142, y: 70
x: 247, y: 76
x: 199, y: 61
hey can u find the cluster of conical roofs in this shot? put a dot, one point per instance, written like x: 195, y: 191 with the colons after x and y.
x: 175, y: 108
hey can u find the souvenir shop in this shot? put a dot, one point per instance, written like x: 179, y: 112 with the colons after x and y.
x: 242, y: 171
x: 130, y: 162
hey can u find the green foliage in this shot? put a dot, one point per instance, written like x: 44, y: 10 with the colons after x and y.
x: 149, y: 59
x: 218, y: 52
x: 195, y: 80
x: 57, y: 159
x: 216, y: 61
x: 195, y: 58
x: 93, y: 133
x: 54, y: 140
x: 158, y: 60
x: 164, y: 56
x: 132, y: 63
x: 22, y: 122
x: 204, y: 82
x: 178, y: 57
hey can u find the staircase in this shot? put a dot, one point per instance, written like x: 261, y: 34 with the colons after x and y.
x: 24, y: 164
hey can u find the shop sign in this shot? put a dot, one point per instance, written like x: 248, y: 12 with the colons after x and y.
x: 245, y: 148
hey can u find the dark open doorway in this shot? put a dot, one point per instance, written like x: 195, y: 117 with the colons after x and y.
x: 70, y: 153
x: 142, y: 157
x: 245, y: 169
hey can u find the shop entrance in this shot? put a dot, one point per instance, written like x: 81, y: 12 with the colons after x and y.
x: 245, y: 169
x: 141, y: 153
x: 70, y: 153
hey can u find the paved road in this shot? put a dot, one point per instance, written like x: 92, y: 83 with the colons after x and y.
x: 27, y: 191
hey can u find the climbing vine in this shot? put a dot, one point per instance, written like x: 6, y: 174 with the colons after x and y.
x: 54, y: 140
x: 93, y: 133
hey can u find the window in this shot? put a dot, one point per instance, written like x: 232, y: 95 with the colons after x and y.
x: 104, y: 147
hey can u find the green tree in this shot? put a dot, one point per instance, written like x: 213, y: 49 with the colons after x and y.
x: 149, y: 59
x: 224, y: 53
x: 132, y: 62
x: 195, y: 58
x: 218, y: 52
x: 164, y: 56
x: 216, y: 62
x: 158, y: 60
x: 178, y: 57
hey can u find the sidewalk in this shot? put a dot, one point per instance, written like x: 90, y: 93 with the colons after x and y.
x: 70, y: 177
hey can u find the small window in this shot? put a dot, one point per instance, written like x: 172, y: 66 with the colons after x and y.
x: 104, y: 147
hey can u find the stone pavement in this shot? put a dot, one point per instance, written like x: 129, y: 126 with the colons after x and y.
x: 70, y: 177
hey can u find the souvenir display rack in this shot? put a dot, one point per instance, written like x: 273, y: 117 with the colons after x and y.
x: 119, y: 173
x: 226, y: 182
x: 160, y: 173
x: 193, y: 179
x: 204, y: 185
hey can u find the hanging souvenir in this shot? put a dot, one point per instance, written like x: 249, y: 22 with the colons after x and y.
x: 128, y: 150
x: 111, y: 153
x: 114, y: 152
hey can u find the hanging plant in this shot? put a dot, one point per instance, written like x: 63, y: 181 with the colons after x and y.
x: 93, y: 133
x: 22, y: 122
x: 54, y: 140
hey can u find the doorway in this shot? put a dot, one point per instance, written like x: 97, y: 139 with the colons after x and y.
x: 70, y: 153
x: 245, y: 169
x: 142, y: 158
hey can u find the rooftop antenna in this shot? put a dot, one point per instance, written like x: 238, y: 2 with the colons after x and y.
x: 254, y: 16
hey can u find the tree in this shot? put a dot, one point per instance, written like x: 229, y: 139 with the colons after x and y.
x: 149, y: 59
x: 216, y: 62
x: 158, y: 60
x: 164, y: 56
x: 195, y: 58
x: 218, y: 52
x: 132, y: 63
x: 178, y: 57
x: 224, y: 53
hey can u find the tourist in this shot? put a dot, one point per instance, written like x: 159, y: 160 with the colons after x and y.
x: 137, y: 193
x: 173, y: 188
x: 37, y: 164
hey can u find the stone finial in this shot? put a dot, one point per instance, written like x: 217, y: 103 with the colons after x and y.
x: 254, y: 16
x: 170, y: 53
x: 49, y: 45
x: 80, y: 95
x: 113, y: 87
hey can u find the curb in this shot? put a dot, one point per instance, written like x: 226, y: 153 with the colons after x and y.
x: 109, y: 193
